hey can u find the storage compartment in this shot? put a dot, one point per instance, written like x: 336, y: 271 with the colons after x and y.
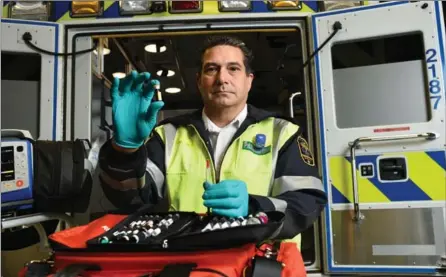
x: 392, y: 169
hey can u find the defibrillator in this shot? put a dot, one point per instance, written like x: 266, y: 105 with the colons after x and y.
x: 17, y: 170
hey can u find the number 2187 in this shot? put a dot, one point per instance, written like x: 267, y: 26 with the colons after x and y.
x: 434, y: 83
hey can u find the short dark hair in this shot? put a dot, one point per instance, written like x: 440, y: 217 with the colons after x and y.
x: 213, y: 41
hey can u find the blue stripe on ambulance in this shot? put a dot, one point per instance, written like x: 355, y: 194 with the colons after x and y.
x: 439, y: 157
x: 338, y: 197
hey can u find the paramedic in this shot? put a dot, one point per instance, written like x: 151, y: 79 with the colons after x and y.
x: 257, y: 161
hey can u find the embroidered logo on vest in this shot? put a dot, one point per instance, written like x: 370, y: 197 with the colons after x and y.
x: 247, y: 145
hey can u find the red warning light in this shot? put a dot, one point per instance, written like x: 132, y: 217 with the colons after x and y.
x: 185, y: 6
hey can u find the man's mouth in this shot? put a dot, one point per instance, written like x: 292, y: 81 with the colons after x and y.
x: 221, y: 91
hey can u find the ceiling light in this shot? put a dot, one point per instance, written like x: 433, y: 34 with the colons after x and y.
x: 155, y: 48
x: 105, y: 51
x: 165, y: 73
x: 173, y: 90
x: 119, y: 75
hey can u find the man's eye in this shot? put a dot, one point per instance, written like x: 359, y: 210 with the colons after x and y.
x: 210, y: 69
x: 234, y: 68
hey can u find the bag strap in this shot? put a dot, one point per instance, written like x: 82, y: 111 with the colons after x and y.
x: 265, y: 267
x: 73, y: 270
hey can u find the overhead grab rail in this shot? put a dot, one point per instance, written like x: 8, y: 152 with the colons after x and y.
x: 357, y: 142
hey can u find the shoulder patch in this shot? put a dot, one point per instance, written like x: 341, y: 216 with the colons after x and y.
x: 305, y: 152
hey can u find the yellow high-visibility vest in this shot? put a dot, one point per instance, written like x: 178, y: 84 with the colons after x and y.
x: 186, y: 157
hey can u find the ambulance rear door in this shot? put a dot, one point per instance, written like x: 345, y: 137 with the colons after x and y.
x: 381, y: 108
x: 31, y: 78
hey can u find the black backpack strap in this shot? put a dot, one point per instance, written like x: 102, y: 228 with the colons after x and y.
x: 73, y: 270
x: 265, y: 267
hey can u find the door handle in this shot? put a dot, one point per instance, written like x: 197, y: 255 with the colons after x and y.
x: 290, y: 101
x: 358, y: 216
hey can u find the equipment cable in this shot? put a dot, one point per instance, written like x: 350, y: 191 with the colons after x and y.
x: 336, y: 27
x: 27, y: 37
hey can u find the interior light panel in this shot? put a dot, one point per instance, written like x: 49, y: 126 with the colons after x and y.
x: 86, y: 8
x: 186, y: 6
x: 31, y: 10
x: 229, y: 6
x: 285, y: 5
x: 135, y: 7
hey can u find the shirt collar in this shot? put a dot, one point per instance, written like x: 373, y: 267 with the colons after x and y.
x: 237, y: 122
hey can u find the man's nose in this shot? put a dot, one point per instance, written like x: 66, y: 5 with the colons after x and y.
x: 223, y: 76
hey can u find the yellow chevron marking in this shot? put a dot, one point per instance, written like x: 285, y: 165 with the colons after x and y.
x: 340, y: 174
x: 107, y: 4
x: 305, y: 8
x: 425, y: 173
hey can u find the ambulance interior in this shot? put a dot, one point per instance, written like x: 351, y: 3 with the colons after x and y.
x: 174, y: 60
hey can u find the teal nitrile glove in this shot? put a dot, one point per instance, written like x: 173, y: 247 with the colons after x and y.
x: 228, y: 198
x: 134, y: 116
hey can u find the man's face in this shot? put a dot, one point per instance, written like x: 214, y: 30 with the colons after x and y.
x: 223, y: 81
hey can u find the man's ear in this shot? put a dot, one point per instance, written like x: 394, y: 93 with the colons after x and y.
x: 251, y: 78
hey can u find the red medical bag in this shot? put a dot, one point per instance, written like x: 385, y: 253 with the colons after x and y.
x: 183, y: 251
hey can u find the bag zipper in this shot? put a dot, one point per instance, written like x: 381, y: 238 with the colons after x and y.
x: 165, y: 244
